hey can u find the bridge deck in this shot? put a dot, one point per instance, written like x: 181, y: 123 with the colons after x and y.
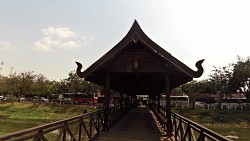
x: 137, y: 125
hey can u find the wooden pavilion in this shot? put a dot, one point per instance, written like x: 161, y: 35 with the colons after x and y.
x: 137, y: 65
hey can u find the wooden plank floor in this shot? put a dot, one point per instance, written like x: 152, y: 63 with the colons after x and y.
x: 137, y: 125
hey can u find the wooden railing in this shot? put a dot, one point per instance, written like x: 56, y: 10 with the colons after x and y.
x: 187, y: 130
x: 79, y: 128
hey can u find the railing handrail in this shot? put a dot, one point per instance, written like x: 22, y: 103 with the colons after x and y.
x: 58, y: 124
x: 200, y: 127
x: 41, y: 127
x: 191, y: 124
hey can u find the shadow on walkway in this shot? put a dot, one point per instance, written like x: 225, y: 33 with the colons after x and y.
x: 137, y: 125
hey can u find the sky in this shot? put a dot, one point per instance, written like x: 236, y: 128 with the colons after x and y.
x: 47, y: 36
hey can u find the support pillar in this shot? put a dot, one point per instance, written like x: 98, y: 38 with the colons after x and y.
x: 168, y: 106
x: 128, y: 101
x: 158, y: 102
x: 106, y: 102
x: 131, y: 102
x: 121, y: 100
x: 154, y: 97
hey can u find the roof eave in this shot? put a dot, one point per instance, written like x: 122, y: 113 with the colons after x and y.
x: 134, y: 35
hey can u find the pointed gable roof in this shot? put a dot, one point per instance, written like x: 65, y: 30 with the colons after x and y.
x: 138, y: 37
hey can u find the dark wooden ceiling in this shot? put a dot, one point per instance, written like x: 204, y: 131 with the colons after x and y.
x: 137, y: 70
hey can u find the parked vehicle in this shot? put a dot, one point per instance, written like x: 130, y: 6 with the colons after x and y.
x: 199, y: 104
x: 22, y: 99
x: 78, y: 98
x: 179, y: 101
x: 1, y: 97
x: 84, y: 98
x: 45, y: 100
x: 176, y: 101
x: 40, y: 99
x: 234, y: 103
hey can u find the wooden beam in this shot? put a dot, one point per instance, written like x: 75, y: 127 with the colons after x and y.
x: 158, y: 102
x: 168, y: 105
x: 121, y: 100
x: 106, y: 101
x: 154, y: 98
x: 146, y: 69
x: 131, y: 102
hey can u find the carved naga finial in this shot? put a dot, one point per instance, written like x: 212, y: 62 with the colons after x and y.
x: 78, y: 70
x: 200, y: 70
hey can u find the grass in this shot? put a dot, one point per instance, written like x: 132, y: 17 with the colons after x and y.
x: 17, y: 116
x: 214, y: 116
x: 243, y: 133
x: 40, y: 111
x: 221, y: 121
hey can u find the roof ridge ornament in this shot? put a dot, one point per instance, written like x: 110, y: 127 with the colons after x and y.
x: 200, y: 70
x: 135, y: 37
x: 78, y: 70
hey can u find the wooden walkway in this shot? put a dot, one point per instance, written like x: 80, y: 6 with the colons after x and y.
x: 137, y: 125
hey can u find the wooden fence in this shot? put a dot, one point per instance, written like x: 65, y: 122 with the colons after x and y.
x: 79, y: 128
x: 187, y: 130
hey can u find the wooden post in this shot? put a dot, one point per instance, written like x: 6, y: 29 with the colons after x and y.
x: 168, y: 105
x: 158, y: 103
x: 121, y: 101
x: 154, y: 101
x: 106, y: 102
x: 127, y: 101
x: 131, y: 102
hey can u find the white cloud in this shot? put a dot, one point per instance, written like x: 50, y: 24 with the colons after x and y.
x: 5, y: 45
x: 62, y: 38
x: 64, y: 32
x: 45, y: 45
x: 69, y: 45
x: 86, y: 40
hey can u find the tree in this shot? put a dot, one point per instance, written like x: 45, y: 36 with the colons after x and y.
x: 40, y: 86
x: 13, y: 83
x: 76, y: 84
x: 54, y: 87
x: 192, y: 89
x: 28, y: 84
x: 3, y: 86
x: 240, y: 81
x: 26, y: 81
x: 220, y: 81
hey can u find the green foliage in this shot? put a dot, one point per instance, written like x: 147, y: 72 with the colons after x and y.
x: 192, y: 89
x: 222, y: 81
x: 241, y: 77
x: 28, y: 84
x: 220, y: 78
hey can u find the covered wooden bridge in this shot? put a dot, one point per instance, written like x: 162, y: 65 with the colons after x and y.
x: 135, y: 66
x: 138, y: 66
